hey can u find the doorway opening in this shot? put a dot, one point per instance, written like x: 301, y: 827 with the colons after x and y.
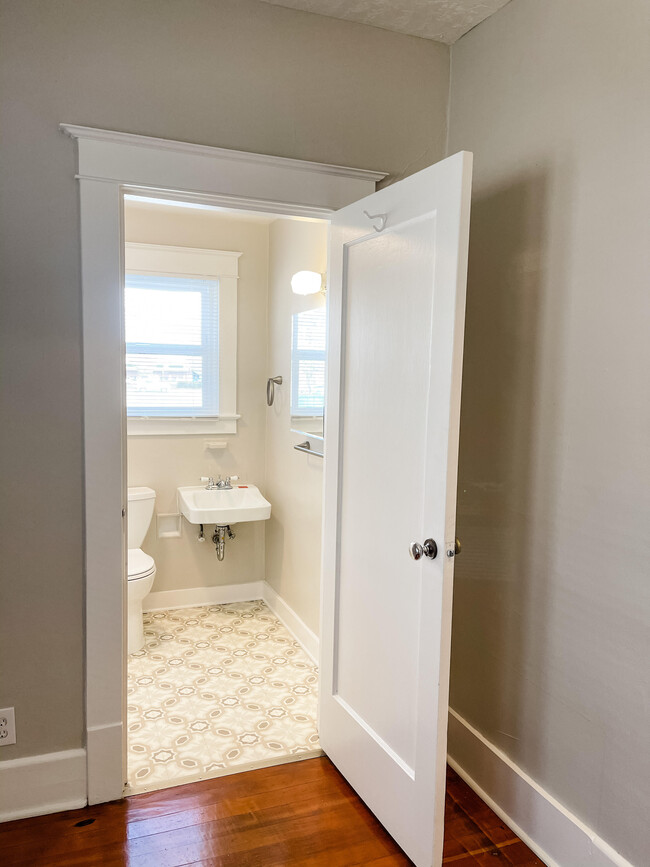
x: 409, y: 237
x: 224, y: 393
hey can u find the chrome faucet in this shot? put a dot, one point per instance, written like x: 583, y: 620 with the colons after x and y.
x: 220, y: 484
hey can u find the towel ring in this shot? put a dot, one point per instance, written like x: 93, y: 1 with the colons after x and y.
x: 271, y: 382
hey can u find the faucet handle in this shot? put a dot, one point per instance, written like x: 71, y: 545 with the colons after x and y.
x: 207, y: 479
x: 232, y: 478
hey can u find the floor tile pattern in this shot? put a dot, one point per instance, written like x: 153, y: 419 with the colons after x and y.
x: 217, y: 688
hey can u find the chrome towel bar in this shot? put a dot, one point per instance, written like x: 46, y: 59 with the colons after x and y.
x: 306, y: 447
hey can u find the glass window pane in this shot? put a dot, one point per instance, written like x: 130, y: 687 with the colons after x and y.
x: 310, y: 330
x: 172, y: 345
x: 164, y: 380
x: 311, y: 385
x: 162, y: 316
x: 308, y: 362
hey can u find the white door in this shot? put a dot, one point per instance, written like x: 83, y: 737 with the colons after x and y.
x: 397, y: 274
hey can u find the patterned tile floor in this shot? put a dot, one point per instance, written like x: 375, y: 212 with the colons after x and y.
x: 217, y: 689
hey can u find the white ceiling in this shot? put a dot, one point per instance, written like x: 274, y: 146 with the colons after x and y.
x: 441, y: 20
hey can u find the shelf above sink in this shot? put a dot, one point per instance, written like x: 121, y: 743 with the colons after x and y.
x: 235, y: 506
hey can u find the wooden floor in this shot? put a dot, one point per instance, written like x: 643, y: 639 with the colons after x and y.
x: 297, y: 814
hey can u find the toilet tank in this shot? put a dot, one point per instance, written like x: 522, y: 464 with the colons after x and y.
x: 140, y: 513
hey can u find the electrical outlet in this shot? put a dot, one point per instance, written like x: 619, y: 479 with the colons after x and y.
x: 7, y: 726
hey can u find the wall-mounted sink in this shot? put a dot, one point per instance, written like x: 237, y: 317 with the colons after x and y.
x: 231, y: 506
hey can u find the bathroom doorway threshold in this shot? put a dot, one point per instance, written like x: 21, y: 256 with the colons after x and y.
x: 225, y: 772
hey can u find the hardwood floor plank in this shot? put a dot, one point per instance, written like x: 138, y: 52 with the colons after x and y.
x: 225, y: 795
x: 297, y: 814
x: 477, y: 811
x: 387, y: 861
x: 319, y: 830
x: 165, y: 801
x: 65, y: 837
x: 462, y: 834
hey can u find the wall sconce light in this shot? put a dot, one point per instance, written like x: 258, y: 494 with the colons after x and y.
x: 307, y: 282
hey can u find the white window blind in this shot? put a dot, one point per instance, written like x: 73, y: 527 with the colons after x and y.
x: 172, y: 346
x: 308, y: 363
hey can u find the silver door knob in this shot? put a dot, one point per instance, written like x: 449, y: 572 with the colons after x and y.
x: 428, y: 549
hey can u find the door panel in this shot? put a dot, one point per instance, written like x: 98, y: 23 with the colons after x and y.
x: 396, y: 315
x: 384, y: 337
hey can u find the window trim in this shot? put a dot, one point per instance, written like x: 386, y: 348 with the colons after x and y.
x: 220, y: 265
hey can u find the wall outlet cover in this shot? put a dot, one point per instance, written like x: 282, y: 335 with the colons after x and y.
x: 7, y: 726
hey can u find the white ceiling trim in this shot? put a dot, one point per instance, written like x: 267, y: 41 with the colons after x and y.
x: 439, y: 20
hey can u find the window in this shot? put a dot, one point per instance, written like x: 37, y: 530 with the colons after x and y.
x: 308, y: 363
x: 172, y: 354
x: 180, y: 309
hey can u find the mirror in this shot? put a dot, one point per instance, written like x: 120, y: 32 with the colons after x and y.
x: 308, y: 347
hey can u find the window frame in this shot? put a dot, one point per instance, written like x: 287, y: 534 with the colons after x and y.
x: 221, y: 266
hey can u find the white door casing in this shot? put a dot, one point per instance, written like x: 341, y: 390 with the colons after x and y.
x: 397, y: 307
x: 108, y: 165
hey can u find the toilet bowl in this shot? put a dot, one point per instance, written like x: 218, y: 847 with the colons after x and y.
x: 141, y: 567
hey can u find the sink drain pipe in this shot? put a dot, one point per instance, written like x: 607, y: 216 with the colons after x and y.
x: 219, y: 539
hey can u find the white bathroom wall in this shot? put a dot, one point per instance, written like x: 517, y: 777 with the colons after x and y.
x: 294, y: 480
x: 165, y: 462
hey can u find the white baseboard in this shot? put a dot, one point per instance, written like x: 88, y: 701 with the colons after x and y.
x: 37, y: 785
x: 294, y: 624
x: 218, y: 595
x: 558, y: 837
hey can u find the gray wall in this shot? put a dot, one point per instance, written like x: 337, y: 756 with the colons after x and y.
x: 233, y: 73
x: 551, y: 614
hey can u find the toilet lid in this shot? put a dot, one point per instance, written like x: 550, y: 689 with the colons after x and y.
x: 139, y: 564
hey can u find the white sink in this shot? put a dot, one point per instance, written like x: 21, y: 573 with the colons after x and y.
x: 241, y: 503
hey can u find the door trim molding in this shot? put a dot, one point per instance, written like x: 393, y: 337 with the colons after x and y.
x: 545, y: 825
x: 110, y: 164
x: 108, y: 136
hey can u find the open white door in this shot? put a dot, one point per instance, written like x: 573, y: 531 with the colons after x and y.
x: 397, y: 275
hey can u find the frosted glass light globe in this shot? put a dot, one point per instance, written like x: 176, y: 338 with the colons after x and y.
x: 306, y: 282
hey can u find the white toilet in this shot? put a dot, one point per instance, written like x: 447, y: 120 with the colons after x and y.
x: 141, y: 567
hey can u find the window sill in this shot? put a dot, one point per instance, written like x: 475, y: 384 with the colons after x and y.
x: 138, y: 427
